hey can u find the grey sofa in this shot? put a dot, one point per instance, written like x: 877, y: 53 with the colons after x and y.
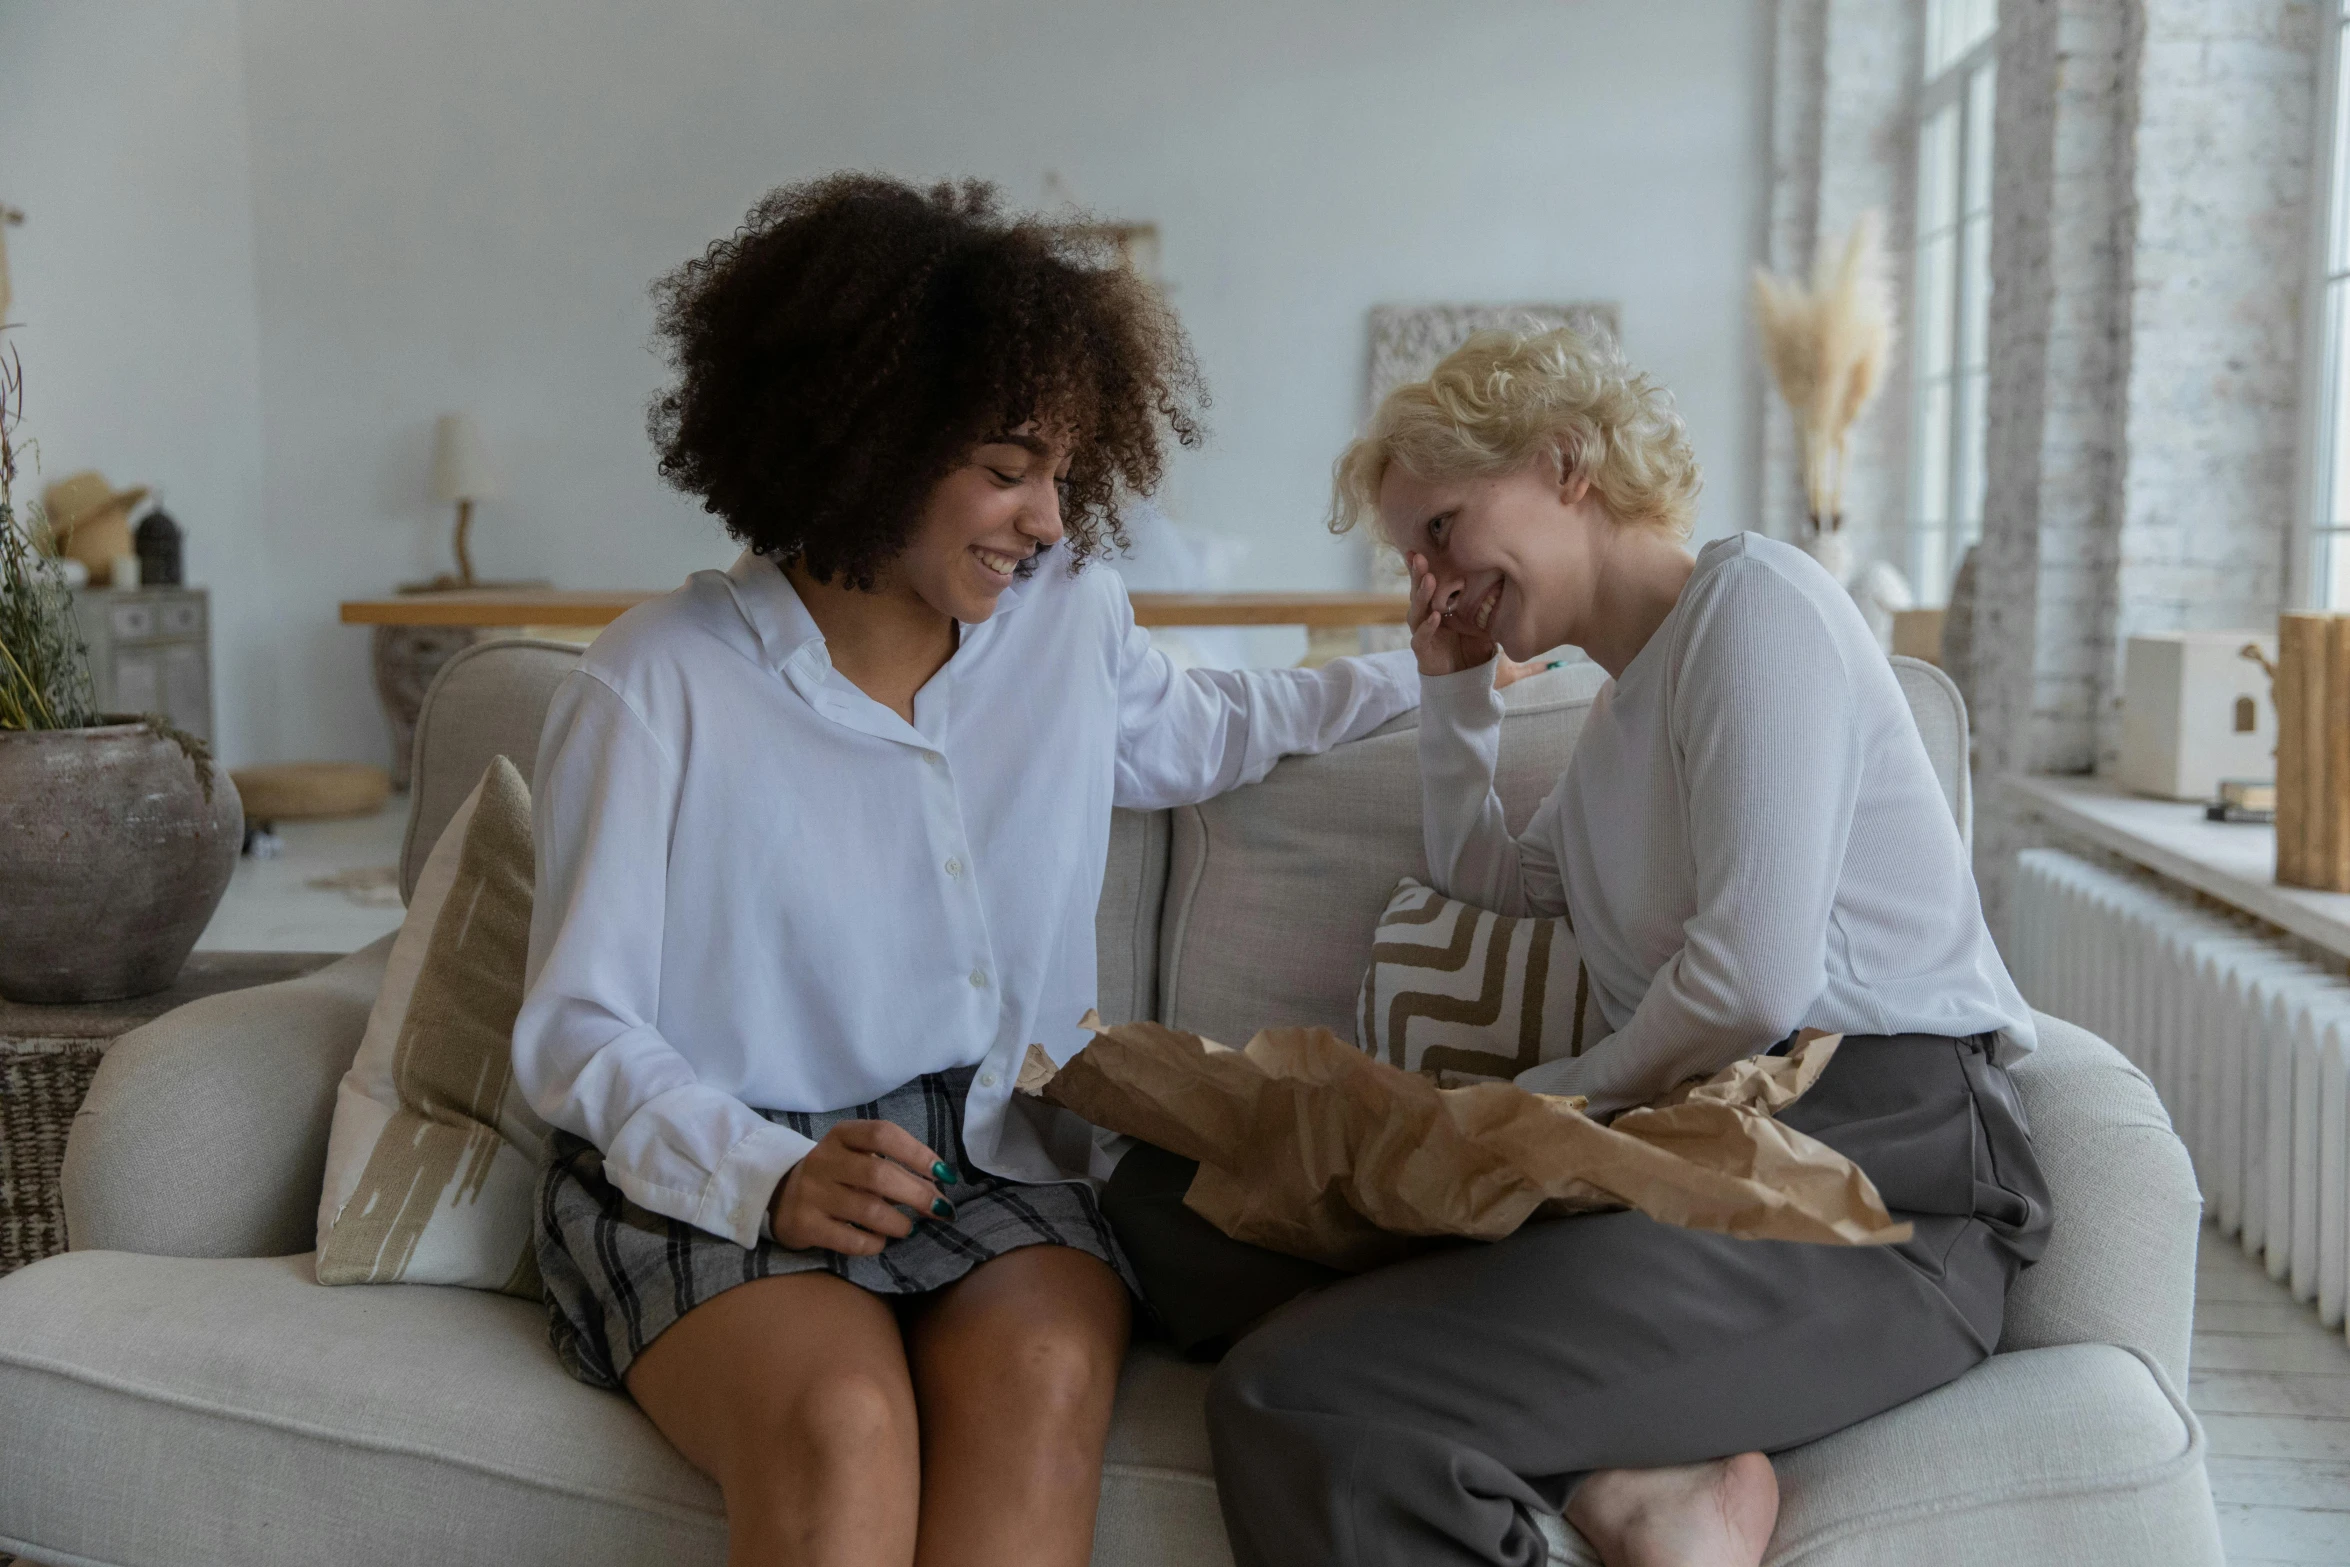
x: 177, y: 1391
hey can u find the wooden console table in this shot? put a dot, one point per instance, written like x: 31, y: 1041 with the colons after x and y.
x: 492, y: 607
x: 416, y: 633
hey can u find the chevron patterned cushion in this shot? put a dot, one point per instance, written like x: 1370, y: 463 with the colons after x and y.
x: 1461, y: 990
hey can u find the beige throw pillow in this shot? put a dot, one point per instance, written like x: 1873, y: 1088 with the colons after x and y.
x: 432, y: 1161
x: 1459, y: 990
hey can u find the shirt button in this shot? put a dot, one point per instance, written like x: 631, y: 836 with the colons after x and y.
x: 954, y: 867
x: 987, y: 1080
x: 979, y: 979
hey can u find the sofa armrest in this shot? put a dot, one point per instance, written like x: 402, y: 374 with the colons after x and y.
x: 204, y: 1133
x: 2120, y: 1264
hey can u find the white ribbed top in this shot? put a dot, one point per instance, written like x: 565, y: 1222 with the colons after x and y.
x: 1749, y: 838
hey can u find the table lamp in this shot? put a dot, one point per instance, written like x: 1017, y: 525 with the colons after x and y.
x: 461, y: 475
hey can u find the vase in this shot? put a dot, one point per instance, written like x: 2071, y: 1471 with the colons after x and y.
x: 1833, y: 554
x: 113, y: 855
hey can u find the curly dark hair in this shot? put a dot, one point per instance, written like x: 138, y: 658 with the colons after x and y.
x: 844, y: 350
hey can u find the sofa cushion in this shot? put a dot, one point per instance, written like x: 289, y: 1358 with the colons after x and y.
x: 1455, y: 988
x: 432, y: 1160
x: 173, y: 1412
x: 176, y: 1412
x: 1273, y: 891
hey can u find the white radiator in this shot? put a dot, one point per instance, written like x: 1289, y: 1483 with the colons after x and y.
x: 2247, y: 1041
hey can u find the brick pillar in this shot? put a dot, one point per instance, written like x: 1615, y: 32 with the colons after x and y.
x: 2149, y: 254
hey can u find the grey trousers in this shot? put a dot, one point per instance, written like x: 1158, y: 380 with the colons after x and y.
x: 1424, y: 1412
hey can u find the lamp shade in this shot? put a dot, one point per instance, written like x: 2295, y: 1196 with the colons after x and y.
x: 460, y: 465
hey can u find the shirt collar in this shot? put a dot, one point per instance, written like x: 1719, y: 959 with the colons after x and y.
x: 785, y: 629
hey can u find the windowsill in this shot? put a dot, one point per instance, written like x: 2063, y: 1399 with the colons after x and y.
x: 2231, y: 862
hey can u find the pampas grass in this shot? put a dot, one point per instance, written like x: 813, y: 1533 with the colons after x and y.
x: 1827, y: 346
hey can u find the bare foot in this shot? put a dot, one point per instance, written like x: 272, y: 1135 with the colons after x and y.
x: 1716, y: 1514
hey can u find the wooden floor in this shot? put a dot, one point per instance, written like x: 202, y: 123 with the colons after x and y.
x: 2273, y: 1391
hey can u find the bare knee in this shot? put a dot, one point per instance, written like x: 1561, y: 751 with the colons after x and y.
x: 1050, y: 1384
x: 841, y: 1429
x: 850, y: 1415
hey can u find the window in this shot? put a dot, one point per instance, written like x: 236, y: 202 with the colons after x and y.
x: 1951, y: 290
x: 2324, y: 580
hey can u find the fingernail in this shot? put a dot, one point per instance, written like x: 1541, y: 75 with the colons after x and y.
x: 943, y: 1208
x: 940, y: 1172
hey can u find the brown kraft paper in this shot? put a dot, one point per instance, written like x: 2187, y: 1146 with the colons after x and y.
x: 1308, y: 1146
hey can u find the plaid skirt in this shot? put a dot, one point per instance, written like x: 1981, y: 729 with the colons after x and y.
x: 617, y: 1274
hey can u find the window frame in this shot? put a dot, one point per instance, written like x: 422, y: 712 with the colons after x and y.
x: 2322, y: 453
x: 1939, y: 528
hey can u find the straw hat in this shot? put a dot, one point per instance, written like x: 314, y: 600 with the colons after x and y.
x: 90, y: 520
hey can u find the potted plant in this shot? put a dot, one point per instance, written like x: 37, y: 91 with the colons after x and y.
x: 117, y: 832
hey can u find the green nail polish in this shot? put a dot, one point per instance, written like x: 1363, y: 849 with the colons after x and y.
x: 943, y: 1208
x: 939, y: 1171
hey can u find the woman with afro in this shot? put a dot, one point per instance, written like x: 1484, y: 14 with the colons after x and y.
x: 820, y: 839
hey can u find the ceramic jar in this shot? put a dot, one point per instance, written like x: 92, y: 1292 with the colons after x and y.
x: 112, y: 859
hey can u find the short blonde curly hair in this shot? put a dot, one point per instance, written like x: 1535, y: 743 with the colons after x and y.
x: 1503, y: 399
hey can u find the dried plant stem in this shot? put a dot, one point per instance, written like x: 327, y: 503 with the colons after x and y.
x: 44, y: 669
x: 1827, y: 345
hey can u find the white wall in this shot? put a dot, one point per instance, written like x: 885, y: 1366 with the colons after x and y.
x: 122, y: 136
x: 461, y: 206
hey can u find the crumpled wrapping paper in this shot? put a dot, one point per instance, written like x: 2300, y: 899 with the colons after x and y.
x: 1308, y: 1146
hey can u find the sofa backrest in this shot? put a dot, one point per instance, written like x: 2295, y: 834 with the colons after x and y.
x: 1253, y: 909
x: 490, y: 700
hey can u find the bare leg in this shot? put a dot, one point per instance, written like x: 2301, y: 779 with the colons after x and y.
x: 1016, y: 1367
x: 1716, y: 1514
x: 793, y: 1394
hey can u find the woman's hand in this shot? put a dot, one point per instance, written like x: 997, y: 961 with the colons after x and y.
x: 845, y: 1195
x: 1444, y: 649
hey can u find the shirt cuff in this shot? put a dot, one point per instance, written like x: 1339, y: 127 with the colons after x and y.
x: 1464, y: 699
x: 741, y: 1191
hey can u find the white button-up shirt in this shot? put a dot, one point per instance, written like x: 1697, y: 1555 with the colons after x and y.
x: 757, y: 886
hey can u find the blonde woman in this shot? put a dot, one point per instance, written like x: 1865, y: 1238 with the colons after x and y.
x: 1752, y: 841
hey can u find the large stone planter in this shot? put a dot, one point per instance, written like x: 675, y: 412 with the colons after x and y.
x: 111, y: 861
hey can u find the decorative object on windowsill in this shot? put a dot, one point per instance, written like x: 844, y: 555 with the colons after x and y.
x: 2243, y: 800
x: 160, y: 545
x: 461, y: 475
x: 1884, y: 596
x: 90, y: 521
x: 117, y: 833
x: 1917, y: 633
x: 2313, y: 751
x: 1827, y: 346
x: 2195, y: 710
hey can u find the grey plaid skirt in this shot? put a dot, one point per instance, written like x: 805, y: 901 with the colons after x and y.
x: 617, y: 1274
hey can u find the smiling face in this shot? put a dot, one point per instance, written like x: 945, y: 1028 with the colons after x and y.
x: 1515, y: 558
x: 983, y: 522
